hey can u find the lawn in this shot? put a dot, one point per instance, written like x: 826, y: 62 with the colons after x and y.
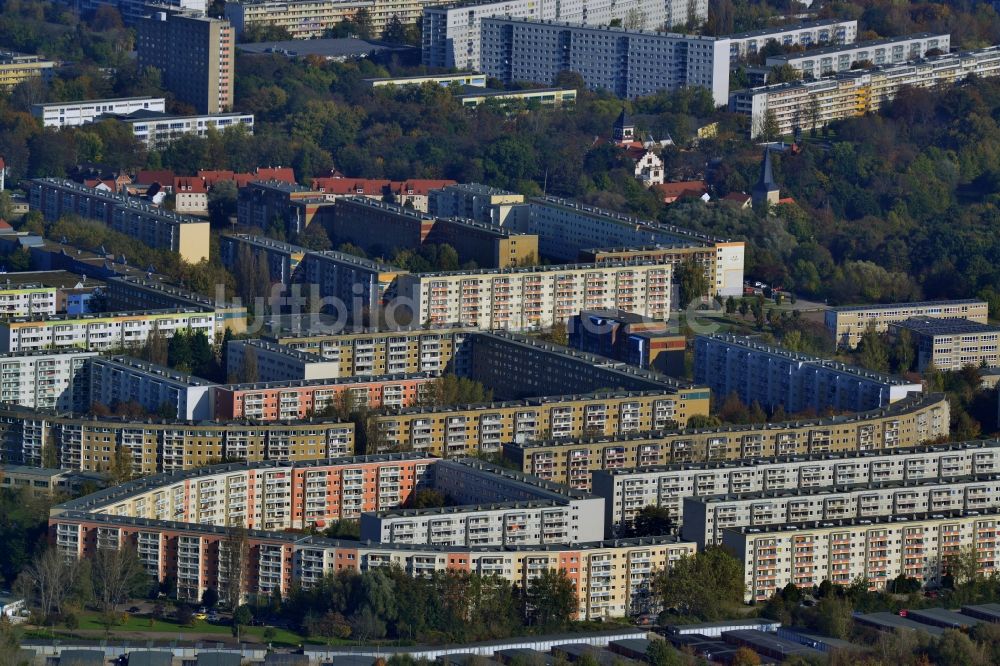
x: 90, y: 621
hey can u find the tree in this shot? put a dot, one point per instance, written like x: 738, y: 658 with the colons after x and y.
x: 745, y: 656
x: 903, y: 353
x: 703, y: 585
x: 314, y: 237
x: 395, y: 31
x: 118, y: 575
x: 550, y: 600
x: 873, y: 352
x: 241, y: 618
x: 222, y: 202
x: 692, y: 282
x: 48, y: 580
x: 955, y: 648
x: 184, y: 614
x: 652, y: 520
x: 209, y: 598
x: 121, y: 468
x: 661, y: 653
x: 363, y: 23
x: 769, y: 130
x: 235, y: 556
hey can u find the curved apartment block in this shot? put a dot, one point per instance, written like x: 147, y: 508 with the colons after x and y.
x: 188, y: 527
x: 907, y: 422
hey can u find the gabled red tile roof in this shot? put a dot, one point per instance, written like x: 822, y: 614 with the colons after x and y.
x: 162, y: 176
x: 212, y: 177
x: 284, y: 174
x: 365, y: 186
x: 376, y: 187
x: 94, y: 182
x: 740, y: 197
x: 420, y: 186
x: 682, y: 188
x: 189, y: 184
x: 4, y: 225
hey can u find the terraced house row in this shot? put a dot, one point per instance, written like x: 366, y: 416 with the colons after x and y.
x: 627, y: 491
x: 90, y: 443
x: 570, y: 460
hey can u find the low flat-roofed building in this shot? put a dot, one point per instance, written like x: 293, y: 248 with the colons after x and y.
x: 471, y: 79
x: 49, y: 481
x: 847, y: 323
x: 942, y: 617
x: 892, y: 622
x: 630, y: 338
x: 552, y: 97
x: 71, y: 114
x: 715, y: 629
x: 951, y: 344
x: 18, y: 67
x: 988, y: 612
x: 770, y: 645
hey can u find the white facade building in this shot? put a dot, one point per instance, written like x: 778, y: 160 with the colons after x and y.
x: 705, y: 518
x: 876, y: 549
x: 46, y: 379
x: 158, y: 130
x: 536, y: 297
x: 629, y: 63
x: 626, y: 491
x: 835, y: 59
x: 814, y: 104
x: 23, y: 300
x: 156, y: 388
x: 100, y: 332
x: 452, y: 38
x: 72, y: 114
x: 812, y: 33
x: 278, y: 363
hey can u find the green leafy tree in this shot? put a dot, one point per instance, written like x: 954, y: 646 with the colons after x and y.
x: 550, y: 600
x: 692, y: 282
x: 705, y: 585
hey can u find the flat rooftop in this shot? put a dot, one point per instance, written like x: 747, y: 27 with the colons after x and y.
x: 912, y: 304
x: 57, y: 279
x: 347, y: 47
x: 935, y: 326
x: 894, y: 519
x: 899, y: 407
x: 752, y: 344
x: 791, y: 27
x: 855, y: 46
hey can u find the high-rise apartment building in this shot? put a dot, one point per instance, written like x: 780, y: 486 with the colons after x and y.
x: 452, y: 38
x: 629, y: 63
x: 775, y: 376
x: 194, y: 54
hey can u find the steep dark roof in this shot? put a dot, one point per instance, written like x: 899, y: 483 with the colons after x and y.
x: 624, y: 120
x: 766, y: 181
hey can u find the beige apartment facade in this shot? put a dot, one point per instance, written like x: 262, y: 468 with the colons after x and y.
x: 571, y: 460
x: 876, y: 549
x: 848, y: 323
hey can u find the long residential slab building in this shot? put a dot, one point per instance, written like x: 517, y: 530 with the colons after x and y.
x: 879, y: 549
x: 627, y: 491
x: 808, y: 34
x: 627, y: 62
x: 452, y: 33
x: 815, y: 104
x: 773, y: 376
x: 157, y: 228
x: 706, y: 517
x: 848, y: 323
x: 163, y: 445
x: 179, y: 525
x: 814, y: 63
x: 571, y: 231
x: 572, y: 459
